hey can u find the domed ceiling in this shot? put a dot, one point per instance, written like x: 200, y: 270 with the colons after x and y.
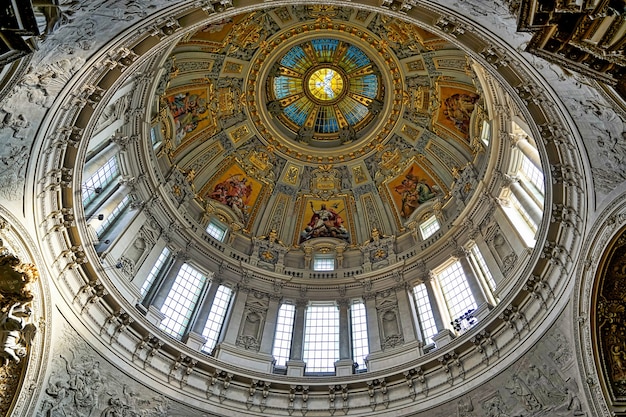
x: 276, y: 115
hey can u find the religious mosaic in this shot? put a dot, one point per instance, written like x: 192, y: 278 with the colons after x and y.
x: 324, y: 218
x: 191, y: 112
x: 457, y: 105
x: 235, y: 189
x: 411, y: 189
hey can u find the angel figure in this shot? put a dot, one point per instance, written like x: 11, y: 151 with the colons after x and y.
x: 15, y: 334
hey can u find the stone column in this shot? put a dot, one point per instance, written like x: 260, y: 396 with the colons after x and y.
x: 156, y: 296
x: 233, y: 322
x: 406, y: 315
x: 482, y: 304
x: 444, y: 336
x: 490, y: 260
x: 470, y: 276
x: 295, y: 364
x: 434, y: 302
x: 373, y: 332
x: 345, y: 364
x: 269, y: 329
x: 197, y: 323
x: 531, y: 207
x: 521, y: 142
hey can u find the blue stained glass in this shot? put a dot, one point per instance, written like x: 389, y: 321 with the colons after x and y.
x: 354, y: 58
x: 324, y: 49
x: 326, y: 121
x: 366, y: 85
x: 286, y: 86
x: 297, y: 112
x: 293, y: 57
x: 352, y: 110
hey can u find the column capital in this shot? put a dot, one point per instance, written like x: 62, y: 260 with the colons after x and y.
x: 343, y: 303
x: 301, y: 303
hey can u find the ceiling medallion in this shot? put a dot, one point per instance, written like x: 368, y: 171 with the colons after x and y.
x: 325, y: 99
x: 324, y: 91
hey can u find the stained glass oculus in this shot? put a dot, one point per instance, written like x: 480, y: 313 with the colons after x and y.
x: 324, y: 89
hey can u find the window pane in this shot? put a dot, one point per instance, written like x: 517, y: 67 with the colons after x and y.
x: 481, y: 266
x: 425, y: 312
x: 115, y: 214
x: 99, y: 180
x: 156, y: 270
x: 216, y: 230
x: 456, y: 290
x: 214, y: 323
x: 284, y: 331
x: 321, y: 338
x: 323, y: 263
x: 429, y: 227
x: 360, y: 347
x: 532, y: 173
x: 181, y: 300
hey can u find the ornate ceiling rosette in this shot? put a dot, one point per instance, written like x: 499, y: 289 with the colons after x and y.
x: 340, y: 93
x: 325, y: 91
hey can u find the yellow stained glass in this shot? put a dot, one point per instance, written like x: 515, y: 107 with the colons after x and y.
x: 325, y: 84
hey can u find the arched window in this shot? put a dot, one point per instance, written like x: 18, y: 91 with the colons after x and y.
x: 100, y: 180
x: 429, y: 227
x: 424, y: 313
x: 216, y: 230
x: 457, y: 292
x: 113, y: 216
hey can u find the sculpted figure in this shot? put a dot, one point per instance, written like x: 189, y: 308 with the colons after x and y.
x: 15, y: 333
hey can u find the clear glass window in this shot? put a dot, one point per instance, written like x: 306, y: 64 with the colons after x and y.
x: 156, y: 270
x: 216, y: 230
x: 284, y: 332
x: 481, y: 266
x: 425, y: 312
x: 456, y: 290
x: 532, y: 174
x: 115, y: 214
x: 429, y: 227
x: 323, y: 263
x: 522, y: 212
x: 215, y: 322
x: 99, y: 180
x: 321, y: 338
x: 181, y: 300
x: 360, y: 345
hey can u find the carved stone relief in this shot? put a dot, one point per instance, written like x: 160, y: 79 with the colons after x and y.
x: 500, y: 247
x: 389, y: 320
x: 84, y: 384
x: 253, y: 321
x: 17, y: 329
x: 540, y: 384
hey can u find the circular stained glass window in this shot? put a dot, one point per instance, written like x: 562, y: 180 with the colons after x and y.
x: 325, y: 84
x: 324, y: 90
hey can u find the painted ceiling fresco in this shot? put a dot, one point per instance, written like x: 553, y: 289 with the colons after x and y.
x: 327, y: 135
